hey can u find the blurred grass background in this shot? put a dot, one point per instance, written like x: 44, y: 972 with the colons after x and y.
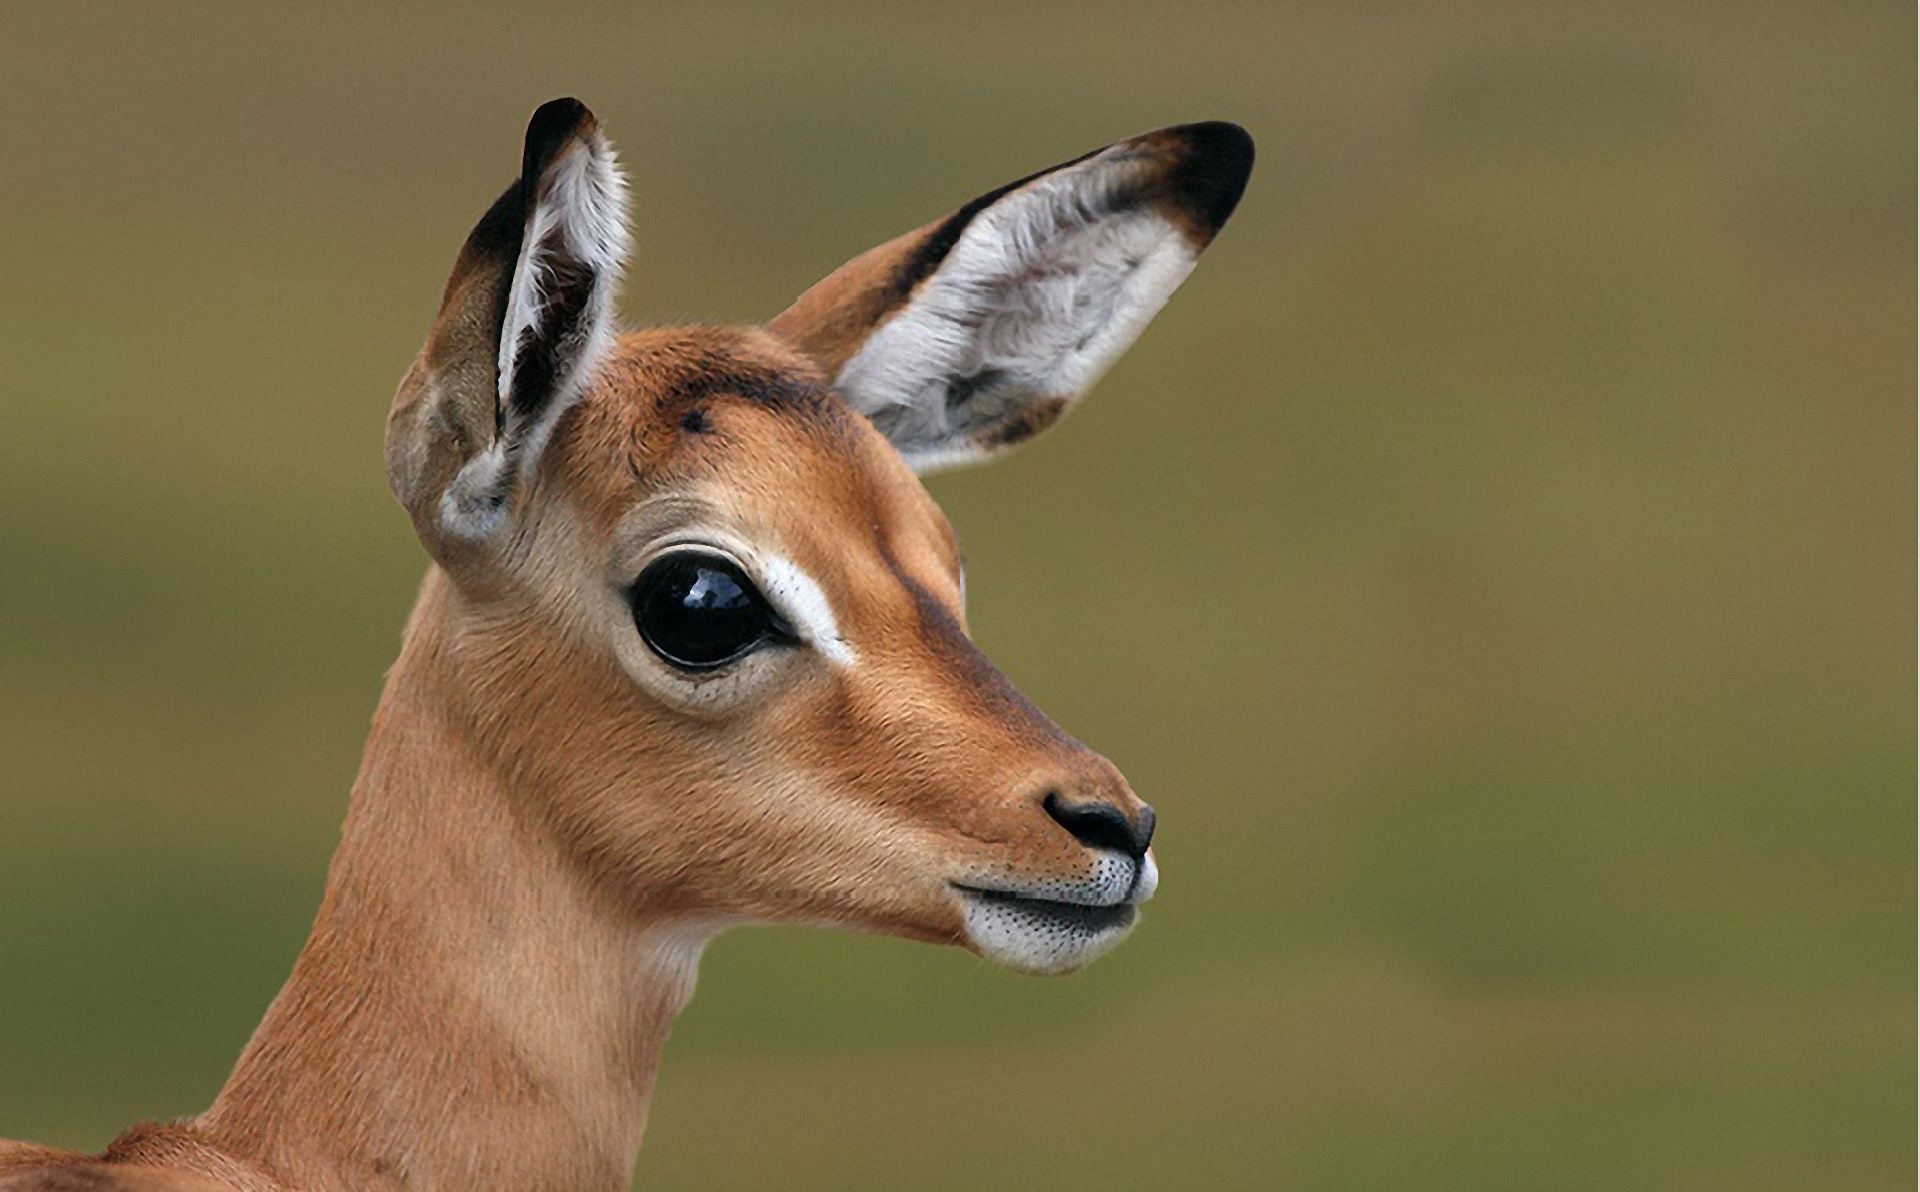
x: 1497, y: 566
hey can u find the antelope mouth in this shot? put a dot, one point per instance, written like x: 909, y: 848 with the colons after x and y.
x: 1067, y: 916
x: 1055, y: 928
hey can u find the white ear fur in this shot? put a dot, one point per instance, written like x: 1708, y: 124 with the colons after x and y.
x: 581, y: 215
x: 1043, y: 290
x: 559, y: 308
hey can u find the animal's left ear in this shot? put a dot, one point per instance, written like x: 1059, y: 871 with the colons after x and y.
x: 976, y: 332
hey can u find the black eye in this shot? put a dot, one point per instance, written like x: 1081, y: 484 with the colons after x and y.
x: 699, y: 612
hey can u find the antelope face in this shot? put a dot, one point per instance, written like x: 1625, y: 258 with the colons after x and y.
x: 711, y: 622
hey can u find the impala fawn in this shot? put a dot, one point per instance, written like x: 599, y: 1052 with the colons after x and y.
x: 691, y: 652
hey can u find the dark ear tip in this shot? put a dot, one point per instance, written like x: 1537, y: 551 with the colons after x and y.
x: 1212, y: 172
x: 561, y: 116
x: 1221, y: 139
x: 554, y: 123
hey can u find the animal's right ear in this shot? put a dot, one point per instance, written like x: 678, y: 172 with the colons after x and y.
x: 525, y: 320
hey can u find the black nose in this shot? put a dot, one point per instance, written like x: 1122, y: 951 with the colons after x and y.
x: 1102, y: 825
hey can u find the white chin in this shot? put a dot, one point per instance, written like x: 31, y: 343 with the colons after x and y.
x: 1046, y: 938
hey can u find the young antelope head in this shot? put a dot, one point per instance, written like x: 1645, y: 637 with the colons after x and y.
x: 693, y: 600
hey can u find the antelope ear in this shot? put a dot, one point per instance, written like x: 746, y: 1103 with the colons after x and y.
x: 525, y: 320
x: 979, y: 331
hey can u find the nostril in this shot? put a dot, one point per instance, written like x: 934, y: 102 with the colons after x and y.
x: 1102, y: 825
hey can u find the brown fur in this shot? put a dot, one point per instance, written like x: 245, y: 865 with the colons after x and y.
x: 494, y: 968
x: 544, y: 832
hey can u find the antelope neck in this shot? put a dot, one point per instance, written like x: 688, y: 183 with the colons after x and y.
x: 468, y: 1012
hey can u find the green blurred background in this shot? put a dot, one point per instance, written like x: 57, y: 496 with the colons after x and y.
x: 1496, y: 564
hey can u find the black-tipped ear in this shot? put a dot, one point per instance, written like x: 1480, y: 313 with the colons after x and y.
x: 525, y: 319
x: 980, y: 330
x: 553, y: 125
x: 1209, y: 173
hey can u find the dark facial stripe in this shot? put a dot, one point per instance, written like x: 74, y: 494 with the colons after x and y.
x: 991, y: 692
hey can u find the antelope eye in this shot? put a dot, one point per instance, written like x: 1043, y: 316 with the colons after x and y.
x: 698, y: 611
